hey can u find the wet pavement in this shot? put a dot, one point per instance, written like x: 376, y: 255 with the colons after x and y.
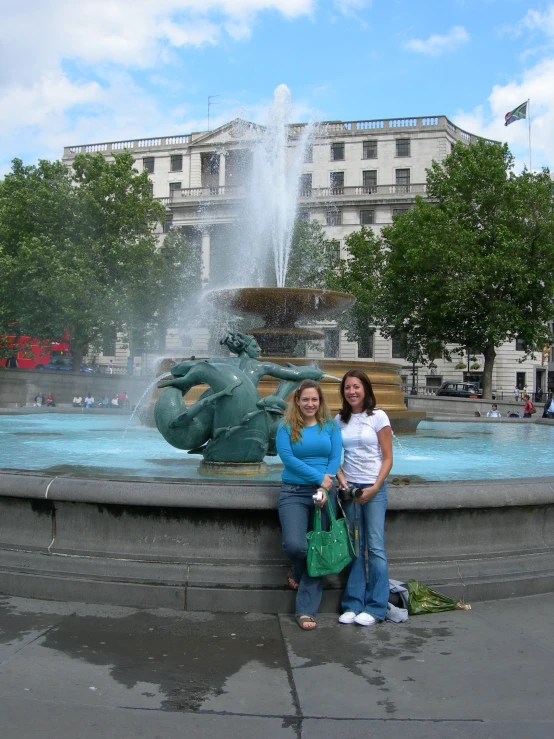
x: 81, y: 671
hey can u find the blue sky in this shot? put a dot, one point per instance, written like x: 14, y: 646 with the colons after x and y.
x: 108, y: 70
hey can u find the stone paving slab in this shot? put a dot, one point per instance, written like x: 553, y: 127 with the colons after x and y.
x: 74, y: 670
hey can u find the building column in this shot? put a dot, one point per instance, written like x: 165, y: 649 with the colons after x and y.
x: 195, y: 170
x: 205, y: 256
x: 222, y: 171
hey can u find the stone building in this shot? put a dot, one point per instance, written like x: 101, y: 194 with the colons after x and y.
x: 355, y: 173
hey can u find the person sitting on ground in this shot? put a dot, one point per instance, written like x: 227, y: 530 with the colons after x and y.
x: 38, y: 401
x: 477, y: 414
x: 89, y: 401
x: 50, y: 401
x: 114, y: 401
x: 494, y: 412
x: 105, y: 402
x: 77, y: 401
x: 529, y: 408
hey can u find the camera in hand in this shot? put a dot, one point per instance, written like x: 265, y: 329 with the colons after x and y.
x: 350, y: 493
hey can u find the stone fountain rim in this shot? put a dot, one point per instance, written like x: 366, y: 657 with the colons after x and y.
x: 263, y: 495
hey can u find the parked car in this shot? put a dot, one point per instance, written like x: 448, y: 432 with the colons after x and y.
x: 63, y: 364
x: 460, y: 390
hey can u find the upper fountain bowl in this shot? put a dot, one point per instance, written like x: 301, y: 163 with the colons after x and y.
x: 281, y: 307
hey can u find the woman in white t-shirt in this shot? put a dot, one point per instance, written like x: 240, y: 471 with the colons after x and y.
x: 367, y: 443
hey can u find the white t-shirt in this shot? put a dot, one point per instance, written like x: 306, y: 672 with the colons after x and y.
x: 362, y: 451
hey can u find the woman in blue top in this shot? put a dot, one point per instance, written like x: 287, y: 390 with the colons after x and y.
x: 309, y: 445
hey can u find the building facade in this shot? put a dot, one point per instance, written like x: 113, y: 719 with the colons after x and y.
x: 354, y: 173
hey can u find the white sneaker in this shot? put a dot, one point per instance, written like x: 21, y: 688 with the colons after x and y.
x: 348, y: 617
x: 364, y: 619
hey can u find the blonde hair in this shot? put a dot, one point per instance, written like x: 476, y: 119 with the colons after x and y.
x: 294, y: 418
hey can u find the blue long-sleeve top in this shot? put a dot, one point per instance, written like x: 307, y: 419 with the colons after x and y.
x: 309, y: 460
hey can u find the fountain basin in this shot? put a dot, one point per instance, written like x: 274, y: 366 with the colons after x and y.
x: 72, y: 533
x: 217, y: 547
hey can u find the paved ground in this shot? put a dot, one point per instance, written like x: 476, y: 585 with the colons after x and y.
x: 80, y: 671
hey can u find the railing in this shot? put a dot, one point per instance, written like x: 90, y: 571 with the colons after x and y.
x: 131, y: 145
x: 313, y: 193
x: 321, y: 130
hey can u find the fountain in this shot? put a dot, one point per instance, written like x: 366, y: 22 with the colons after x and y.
x: 198, y: 541
x: 233, y: 424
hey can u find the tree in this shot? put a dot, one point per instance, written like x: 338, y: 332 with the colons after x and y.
x: 360, y: 275
x: 312, y: 256
x: 473, y: 265
x: 76, y: 246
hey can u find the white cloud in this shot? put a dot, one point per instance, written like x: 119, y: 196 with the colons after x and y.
x: 535, y: 20
x: 436, y: 44
x: 537, y: 84
x: 43, y: 105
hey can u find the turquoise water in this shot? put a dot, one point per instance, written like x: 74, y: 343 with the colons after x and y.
x: 94, y: 445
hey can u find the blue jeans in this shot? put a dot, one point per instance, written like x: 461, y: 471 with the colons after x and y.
x: 369, y: 593
x: 296, y: 514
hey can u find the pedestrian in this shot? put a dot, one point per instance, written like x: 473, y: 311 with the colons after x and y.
x: 529, y: 408
x: 548, y: 406
x: 367, y: 441
x: 516, y: 393
x: 110, y: 367
x: 309, y: 444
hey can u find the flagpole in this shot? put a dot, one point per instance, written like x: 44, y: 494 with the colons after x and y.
x: 529, y: 119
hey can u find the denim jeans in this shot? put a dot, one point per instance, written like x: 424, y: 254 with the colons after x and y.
x: 368, y: 593
x: 296, y: 513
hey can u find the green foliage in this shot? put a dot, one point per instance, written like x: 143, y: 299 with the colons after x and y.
x: 311, y: 256
x: 78, y: 251
x: 360, y: 275
x: 471, y: 266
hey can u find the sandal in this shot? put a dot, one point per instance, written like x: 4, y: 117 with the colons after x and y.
x: 291, y: 582
x: 306, y: 623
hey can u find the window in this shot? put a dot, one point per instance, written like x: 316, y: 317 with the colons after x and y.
x: 174, y: 189
x: 334, y: 217
x: 402, y: 180
x: 309, y: 154
x: 399, y: 211
x: 370, y: 180
x: 303, y: 215
x: 305, y: 185
x: 176, y: 163
x: 370, y: 149
x: 399, y: 349
x: 332, y: 252
x: 331, y: 342
x: 148, y: 164
x: 366, y: 218
x: 214, y: 163
x: 168, y: 224
x: 520, y: 345
x: 365, y: 346
x: 403, y: 148
x: 337, y: 151
x: 336, y: 180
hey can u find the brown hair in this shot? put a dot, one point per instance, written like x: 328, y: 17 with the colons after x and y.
x: 369, y: 396
x: 294, y: 418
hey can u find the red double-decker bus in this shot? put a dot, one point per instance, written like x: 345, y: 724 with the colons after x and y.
x: 28, y: 353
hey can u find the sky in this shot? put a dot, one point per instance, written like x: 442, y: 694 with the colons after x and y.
x: 110, y: 70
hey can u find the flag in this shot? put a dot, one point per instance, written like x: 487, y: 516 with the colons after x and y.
x: 517, y: 114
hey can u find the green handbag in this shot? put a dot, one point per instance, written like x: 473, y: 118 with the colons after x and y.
x: 330, y: 551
